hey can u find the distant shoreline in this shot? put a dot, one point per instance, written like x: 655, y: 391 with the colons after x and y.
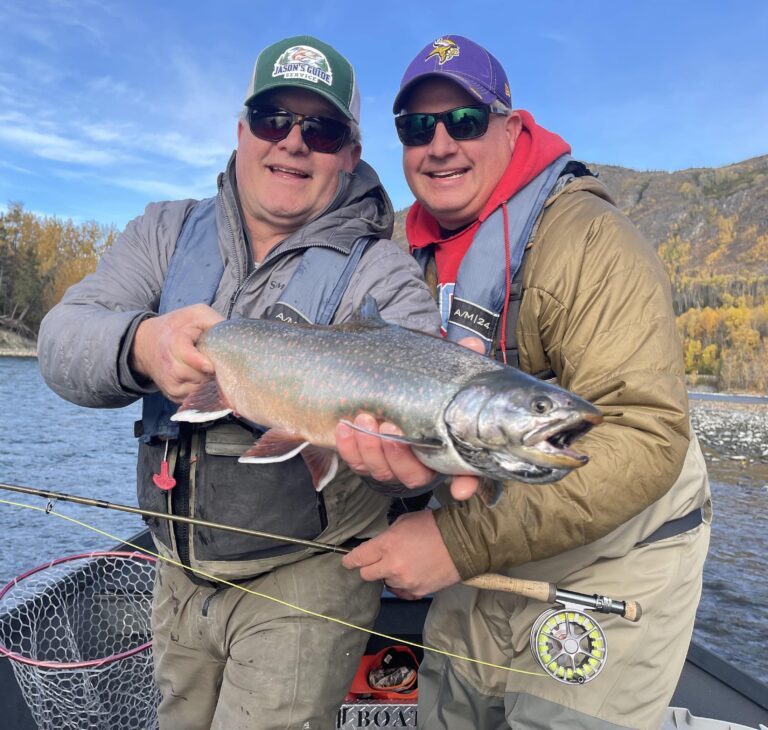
x: 11, y: 352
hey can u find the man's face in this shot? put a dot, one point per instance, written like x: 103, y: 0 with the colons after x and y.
x: 453, y: 179
x: 283, y: 185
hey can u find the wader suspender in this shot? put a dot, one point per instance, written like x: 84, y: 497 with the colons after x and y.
x: 312, y: 295
x: 513, y: 313
x: 574, y: 168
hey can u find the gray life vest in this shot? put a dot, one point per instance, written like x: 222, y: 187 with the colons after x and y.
x: 481, y: 286
x: 312, y: 295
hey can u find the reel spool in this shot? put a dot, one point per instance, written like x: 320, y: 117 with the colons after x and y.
x: 569, y: 645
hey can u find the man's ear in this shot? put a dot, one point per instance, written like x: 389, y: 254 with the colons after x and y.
x: 240, y: 128
x: 356, y: 153
x: 513, y: 125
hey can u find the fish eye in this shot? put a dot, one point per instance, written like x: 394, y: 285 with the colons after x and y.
x: 541, y: 405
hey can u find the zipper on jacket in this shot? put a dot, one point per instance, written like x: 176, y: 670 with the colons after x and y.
x: 269, y: 259
x: 231, y: 232
x: 180, y: 495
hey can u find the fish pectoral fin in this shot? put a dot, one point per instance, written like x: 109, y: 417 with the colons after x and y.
x: 322, y: 464
x: 277, y: 445
x: 274, y: 445
x: 207, y: 403
x: 420, y: 443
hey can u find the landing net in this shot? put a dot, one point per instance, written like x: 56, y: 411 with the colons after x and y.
x: 77, y: 633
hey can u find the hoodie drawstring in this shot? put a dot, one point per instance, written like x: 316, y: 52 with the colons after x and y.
x: 507, y: 270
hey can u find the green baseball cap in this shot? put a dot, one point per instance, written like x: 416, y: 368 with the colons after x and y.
x: 305, y: 62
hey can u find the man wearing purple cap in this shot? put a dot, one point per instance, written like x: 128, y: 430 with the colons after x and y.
x: 532, y: 263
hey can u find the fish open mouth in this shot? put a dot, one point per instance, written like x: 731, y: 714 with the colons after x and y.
x: 552, y: 442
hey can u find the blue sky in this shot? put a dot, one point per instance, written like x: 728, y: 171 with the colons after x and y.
x: 105, y: 106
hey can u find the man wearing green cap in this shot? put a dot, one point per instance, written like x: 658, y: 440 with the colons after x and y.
x: 297, y: 231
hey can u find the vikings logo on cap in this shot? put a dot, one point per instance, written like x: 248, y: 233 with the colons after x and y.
x: 304, y: 62
x: 445, y: 49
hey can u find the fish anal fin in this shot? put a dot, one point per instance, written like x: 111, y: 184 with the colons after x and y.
x: 207, y: 403
x: 274, y: 445
x: 427, y: 443
x: 322, y: 464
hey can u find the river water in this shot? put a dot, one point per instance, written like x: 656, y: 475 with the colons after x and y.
x: 51, y: 444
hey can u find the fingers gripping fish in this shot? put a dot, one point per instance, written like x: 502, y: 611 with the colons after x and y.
x: 460, y: 412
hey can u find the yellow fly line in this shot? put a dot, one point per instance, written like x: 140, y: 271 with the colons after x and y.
x: 208, y: 576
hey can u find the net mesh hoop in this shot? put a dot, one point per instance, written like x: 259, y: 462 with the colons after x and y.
x: 91, y: 663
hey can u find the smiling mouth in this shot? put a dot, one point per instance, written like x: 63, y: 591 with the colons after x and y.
x: 448, y: 174
x: 277, y: 169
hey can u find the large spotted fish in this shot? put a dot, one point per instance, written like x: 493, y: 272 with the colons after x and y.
x: 461, y: 412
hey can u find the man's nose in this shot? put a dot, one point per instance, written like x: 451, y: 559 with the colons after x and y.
x: 442, y: 143
x: 294, y: 142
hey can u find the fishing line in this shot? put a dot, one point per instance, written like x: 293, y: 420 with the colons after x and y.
x: 50, y: 511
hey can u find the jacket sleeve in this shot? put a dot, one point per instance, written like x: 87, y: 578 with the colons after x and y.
x: 395, y: 281
x: 84, y: 340
x: 610, y: 337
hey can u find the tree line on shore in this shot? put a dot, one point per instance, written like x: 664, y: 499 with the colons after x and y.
x: 722, y: 320
x: 40, y: 257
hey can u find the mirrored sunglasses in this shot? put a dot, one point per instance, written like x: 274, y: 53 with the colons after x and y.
x: 463, y: 122
x: 320, y: 134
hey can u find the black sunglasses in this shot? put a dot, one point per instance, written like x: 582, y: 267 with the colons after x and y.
x: 463, y: 122
x: 320, y: 134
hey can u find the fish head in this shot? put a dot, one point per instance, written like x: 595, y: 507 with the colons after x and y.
x: 508, y: 425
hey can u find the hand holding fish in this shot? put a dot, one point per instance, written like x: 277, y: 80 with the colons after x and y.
x: 410, y: 557
x: 164, y: 350
x: 391, y: 461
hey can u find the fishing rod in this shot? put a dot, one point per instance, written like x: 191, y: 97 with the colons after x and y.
x: 537, y: 590
x: 89, y: 502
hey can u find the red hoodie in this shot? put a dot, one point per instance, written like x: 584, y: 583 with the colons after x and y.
x: 535, y: 149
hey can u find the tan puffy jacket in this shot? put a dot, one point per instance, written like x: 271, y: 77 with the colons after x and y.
x: 597, y: 310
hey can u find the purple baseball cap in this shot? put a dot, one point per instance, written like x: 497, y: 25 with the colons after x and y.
x: 463, y: 61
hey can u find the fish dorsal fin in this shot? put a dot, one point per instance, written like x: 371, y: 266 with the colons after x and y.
x: 368, y: 313
x: 207, y: 403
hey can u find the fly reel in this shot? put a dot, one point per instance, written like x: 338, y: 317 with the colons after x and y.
x: 569, y: 645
